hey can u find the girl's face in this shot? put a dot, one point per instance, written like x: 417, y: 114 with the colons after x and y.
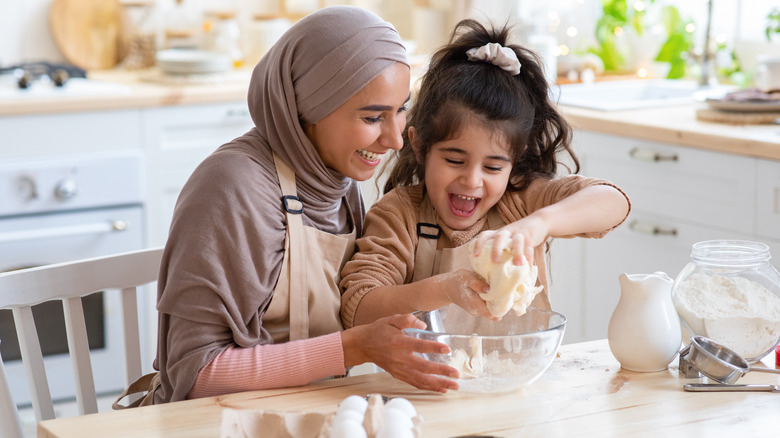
x: 465, y: 176
x: 353, y: 138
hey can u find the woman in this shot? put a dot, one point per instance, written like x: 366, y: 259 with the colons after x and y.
x: 248, y: 289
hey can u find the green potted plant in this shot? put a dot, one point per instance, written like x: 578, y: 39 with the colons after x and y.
x: 678, y: 43
x: 618, y: 16
x: 772, y: 23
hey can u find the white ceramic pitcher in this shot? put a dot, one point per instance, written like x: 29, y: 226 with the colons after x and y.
x: 644, y: 330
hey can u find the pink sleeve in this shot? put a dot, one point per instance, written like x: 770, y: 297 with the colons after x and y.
x: 293, y: 363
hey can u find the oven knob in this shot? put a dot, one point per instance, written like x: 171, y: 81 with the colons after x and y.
x: 66, y: 189
x: 25, y: 188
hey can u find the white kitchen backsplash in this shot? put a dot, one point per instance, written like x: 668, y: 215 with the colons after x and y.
x: 25, y: 35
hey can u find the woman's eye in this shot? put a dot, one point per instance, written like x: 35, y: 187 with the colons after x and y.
x: 373, y: 119
x: 403, y: 109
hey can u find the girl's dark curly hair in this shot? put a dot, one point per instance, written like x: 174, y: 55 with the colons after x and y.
x: 454, y: 90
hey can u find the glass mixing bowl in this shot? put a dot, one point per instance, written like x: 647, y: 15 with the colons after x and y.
x: 493, y: 356
x: 730, y: 293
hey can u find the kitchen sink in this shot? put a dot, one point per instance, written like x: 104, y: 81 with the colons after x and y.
x: 631, y: 94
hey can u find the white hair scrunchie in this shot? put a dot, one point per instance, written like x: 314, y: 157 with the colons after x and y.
x: 496, y: 54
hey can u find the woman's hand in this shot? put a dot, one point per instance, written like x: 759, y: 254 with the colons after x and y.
x: 384, y: 343
x: 520, y: 237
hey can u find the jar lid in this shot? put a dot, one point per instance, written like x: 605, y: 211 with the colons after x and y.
x: 730, y: 252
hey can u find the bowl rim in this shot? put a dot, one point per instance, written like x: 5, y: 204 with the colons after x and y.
x: 560, y: 327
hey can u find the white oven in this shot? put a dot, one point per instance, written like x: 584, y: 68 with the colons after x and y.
x: 62, y: 209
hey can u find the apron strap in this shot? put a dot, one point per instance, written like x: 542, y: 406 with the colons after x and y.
x: 426, y: 258
x: 144, y: 386
x: 299, y: 294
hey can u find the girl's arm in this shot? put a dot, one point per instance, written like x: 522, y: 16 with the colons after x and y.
x: 592, y: 209
x: 375, y: 281
x: 461, y: 287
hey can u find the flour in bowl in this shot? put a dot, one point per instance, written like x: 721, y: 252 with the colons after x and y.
x: 734, y: 311
x: 511, y: 286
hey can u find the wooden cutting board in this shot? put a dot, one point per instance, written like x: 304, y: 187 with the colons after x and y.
x: 737, y: 118
x: 87, y: 32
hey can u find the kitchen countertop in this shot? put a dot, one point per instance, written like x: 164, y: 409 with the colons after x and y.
x: 678, y: 125
x: 674, y: 124
x: 584, y: 393
x: 135, y: 93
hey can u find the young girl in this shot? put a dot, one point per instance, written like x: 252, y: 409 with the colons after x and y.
x: 479, y: 161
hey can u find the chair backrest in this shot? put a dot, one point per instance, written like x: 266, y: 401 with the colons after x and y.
x: 68, y: 282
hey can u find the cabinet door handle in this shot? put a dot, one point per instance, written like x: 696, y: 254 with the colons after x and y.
x: 109, y: 226
x: 651, y: 229
x: 641, y: 154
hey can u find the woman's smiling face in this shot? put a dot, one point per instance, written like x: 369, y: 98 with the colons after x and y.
x: 353, y: 138
x: 466, y: 175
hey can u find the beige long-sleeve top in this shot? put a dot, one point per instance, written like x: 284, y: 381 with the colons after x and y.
x: 385, y: 255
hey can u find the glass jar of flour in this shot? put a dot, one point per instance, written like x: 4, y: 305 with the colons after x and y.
x: 730, y: 293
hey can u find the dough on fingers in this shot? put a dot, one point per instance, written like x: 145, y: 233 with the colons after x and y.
x: 511, y: 286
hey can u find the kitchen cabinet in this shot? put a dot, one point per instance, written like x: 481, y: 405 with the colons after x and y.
x: 679, y: 196
x: 173, y: 140
x: 768, y: 201
x: 177, y: 139
x: 32, y: 137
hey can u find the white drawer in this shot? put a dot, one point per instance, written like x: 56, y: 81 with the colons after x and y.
x: 768, y: 200
x: 69, y: 133
x: 688, y: 184
x: 192, y: 132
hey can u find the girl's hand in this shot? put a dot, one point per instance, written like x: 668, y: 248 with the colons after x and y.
x: 384, y: 343
x: 520, y: 237
x: 463, y: 288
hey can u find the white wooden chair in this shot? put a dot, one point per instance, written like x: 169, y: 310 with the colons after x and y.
x: 68, y: 282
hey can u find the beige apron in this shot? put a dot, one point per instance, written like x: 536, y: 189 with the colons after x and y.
x: 430, y: 260
x: 307, y: 298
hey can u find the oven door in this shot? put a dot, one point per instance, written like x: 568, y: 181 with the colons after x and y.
x: 33, y: 240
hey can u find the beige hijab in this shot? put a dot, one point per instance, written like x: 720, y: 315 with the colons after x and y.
x: 300, y: 82
x: 226, y: 242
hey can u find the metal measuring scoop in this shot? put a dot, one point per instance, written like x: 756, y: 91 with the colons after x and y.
x: 719, y: 363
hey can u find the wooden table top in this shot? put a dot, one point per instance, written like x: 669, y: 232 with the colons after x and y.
x: 583, y: 393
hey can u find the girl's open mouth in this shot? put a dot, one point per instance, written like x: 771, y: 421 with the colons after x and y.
x: 463, y: 206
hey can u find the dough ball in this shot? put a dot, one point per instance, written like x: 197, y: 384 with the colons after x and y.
x: 511, y: 286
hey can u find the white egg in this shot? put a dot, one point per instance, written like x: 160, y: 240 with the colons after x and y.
x: 395, y: 430
x: 347, y: 429
x: 353, y: 403
x: 397, y: 416
x: 402, y: 404
x: 349, y: 414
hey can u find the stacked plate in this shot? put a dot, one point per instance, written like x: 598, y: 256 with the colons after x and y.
x: 740, y: 107
x: 193, y: 62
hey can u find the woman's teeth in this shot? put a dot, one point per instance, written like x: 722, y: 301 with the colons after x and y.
x: 370, y: 156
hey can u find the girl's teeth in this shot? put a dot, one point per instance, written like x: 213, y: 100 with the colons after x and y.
x: 370, y: 156
x: 467, y: 198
